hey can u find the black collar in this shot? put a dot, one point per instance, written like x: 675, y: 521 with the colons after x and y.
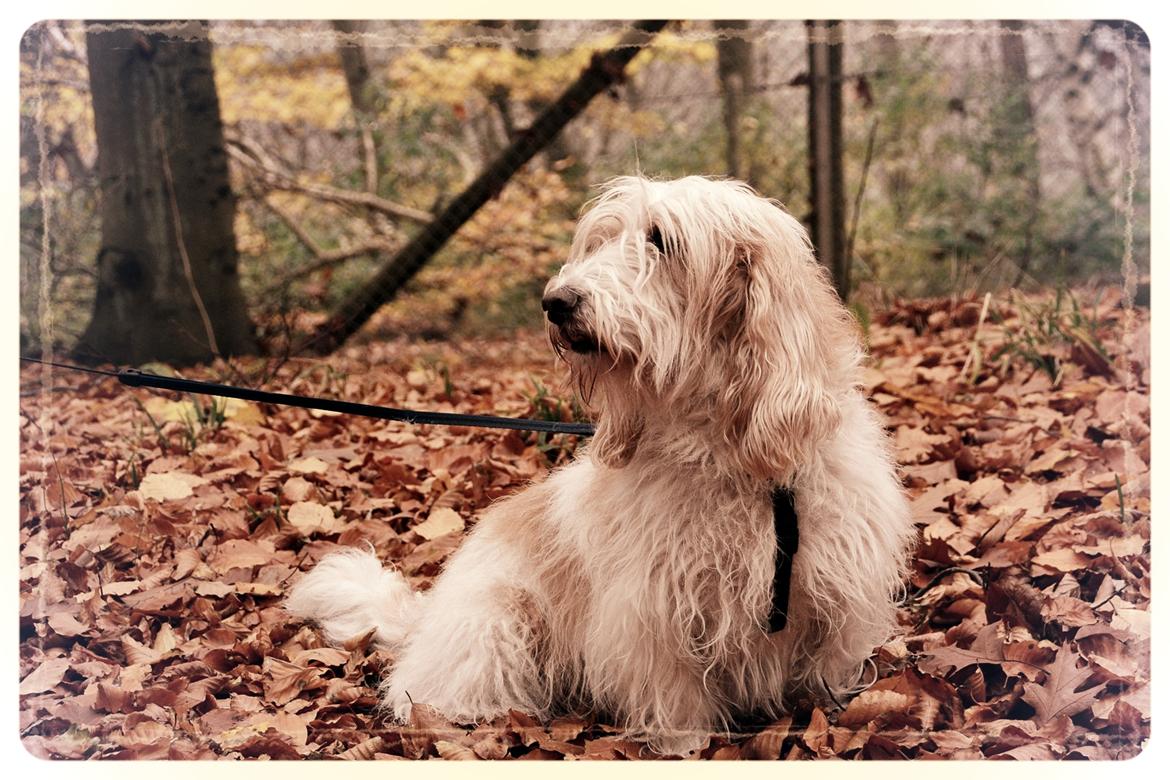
x: 787, y: 540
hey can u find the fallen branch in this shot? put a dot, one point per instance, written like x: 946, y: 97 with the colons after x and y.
x: 604, y: 70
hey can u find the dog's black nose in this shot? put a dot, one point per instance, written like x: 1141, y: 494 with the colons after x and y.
x: 560, y: 304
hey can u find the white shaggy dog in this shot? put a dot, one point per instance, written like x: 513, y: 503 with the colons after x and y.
x: 636, y: 581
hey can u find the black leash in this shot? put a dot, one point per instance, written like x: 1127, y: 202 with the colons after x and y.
x: 135, y: 378
x: 787, y: 540
x: 783, y: 502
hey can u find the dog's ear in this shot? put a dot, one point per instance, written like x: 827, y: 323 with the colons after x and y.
x: 792, y: 356
x: 619, y: 430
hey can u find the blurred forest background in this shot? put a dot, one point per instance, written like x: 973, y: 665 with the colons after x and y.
x: 969, y: 156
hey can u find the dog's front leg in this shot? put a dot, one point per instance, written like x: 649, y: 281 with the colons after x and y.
x: 472, y: 655
x: 644, y: 675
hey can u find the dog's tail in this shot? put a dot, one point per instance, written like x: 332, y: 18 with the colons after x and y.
x: 347, y: 593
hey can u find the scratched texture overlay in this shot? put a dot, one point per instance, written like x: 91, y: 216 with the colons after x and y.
x: 396, y: 195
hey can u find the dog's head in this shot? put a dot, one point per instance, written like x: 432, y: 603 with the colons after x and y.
x: 697, y: 300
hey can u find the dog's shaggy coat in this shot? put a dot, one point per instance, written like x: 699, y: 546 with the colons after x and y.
x: 636, y: 581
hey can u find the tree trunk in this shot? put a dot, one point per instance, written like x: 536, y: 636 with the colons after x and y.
x: 736, y: 84
x: 168, y: 287
x: 499, y: 95
x: 826, y: 174
x: 1019, y: 137
x: 557, y: 150
x: 604, y: 70
x: 363, y: 94
x: 355, y: 66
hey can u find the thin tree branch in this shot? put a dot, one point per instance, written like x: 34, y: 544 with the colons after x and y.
x: 276, y: 179
x: 860, y: 193
x: 324, y: 258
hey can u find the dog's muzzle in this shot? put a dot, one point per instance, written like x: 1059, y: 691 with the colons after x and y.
x: 562, y: 306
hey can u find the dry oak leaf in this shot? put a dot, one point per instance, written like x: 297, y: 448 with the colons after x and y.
x: 1069, y: 611
x: 816, y: 734
x: 297, y: 489
x: 327, y: 656
x: 240, y: 411
x: 45, y: 677
x: 1124, y: 660
x: 1059, y: 695
x: 166, y: 410
x: 289, y: 725
x: 309, y: 518
x: 169, y: 486
x: 1117, y: 547
x: 1060, y: 560
x: 453, y: 751
x: 143, y: 733
x: 426, y: 726
x: 1136, y: 621
x: 440, y: 522
x: 492, y: 747
x: 258, y: 588
x: 311, y: 465
x: 241, y: 554
x: 935, y: 497
x: 766, y: 744
x: 285, y: 681
x: 871, y: 704
x: 138, y: 653
x: 914, y: 445
x: 65, y: 624
x: 565, y: 729
x: 428, y: 554
x: 987, y: 648
x: 1117, y: 405
x: 214, y: 589
x: 187, y: 562
x: 987, y: 491
x: 363, y: 751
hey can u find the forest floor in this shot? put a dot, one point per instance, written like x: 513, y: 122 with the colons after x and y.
x: 158, y: 537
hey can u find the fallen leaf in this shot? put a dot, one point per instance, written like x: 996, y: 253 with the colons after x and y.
x: 1058, y: 695
x: 310, y: 518
x: 453, y: 751
x: 871, y: 704
x: 440, y: 522
x: 169, y: 486
x: 309, y: 466
x: 45, y: 677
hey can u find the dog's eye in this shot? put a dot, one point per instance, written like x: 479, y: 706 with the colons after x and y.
x: 654, y: 237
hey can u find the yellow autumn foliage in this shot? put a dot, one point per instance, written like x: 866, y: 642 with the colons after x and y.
x: 310, y: 90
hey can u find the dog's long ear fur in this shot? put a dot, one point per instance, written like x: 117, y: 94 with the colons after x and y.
x: 619, y: 428
x: 793, y: 355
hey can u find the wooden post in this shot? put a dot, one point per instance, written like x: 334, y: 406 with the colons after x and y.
x: 825, y: 147
x: 734, y: 51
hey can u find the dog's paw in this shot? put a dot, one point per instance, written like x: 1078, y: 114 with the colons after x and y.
x: 396, y: 703
x: 679, y: 743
